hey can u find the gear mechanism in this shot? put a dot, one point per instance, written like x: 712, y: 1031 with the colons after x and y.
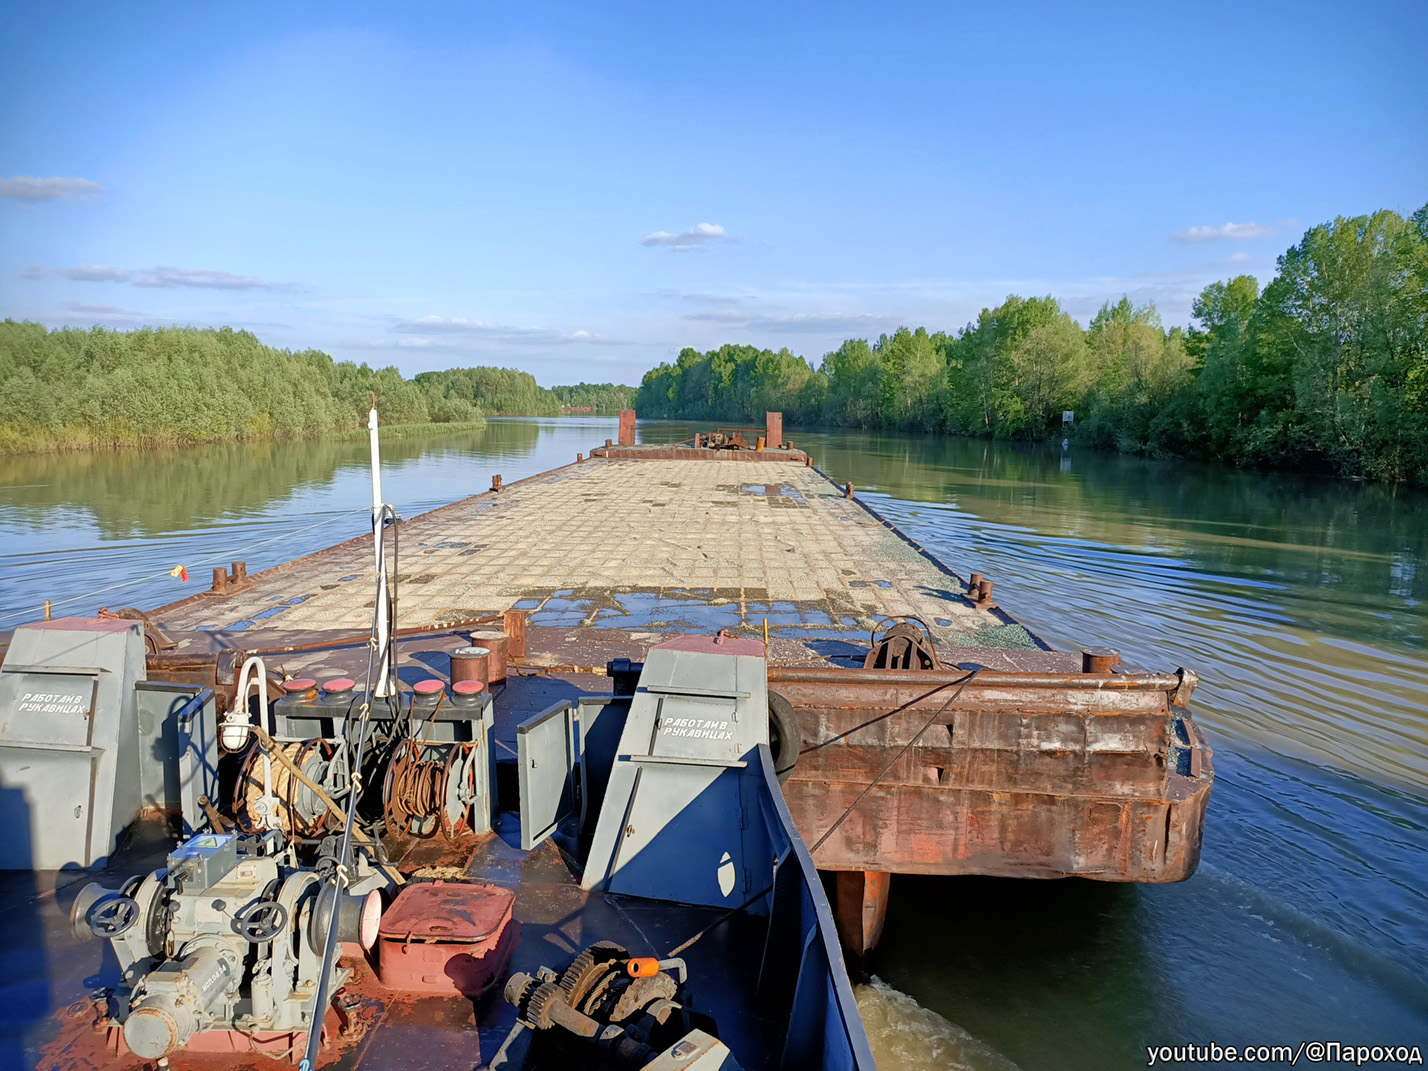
x: 598, y: 1007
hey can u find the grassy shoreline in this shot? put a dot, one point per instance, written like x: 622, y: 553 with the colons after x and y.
x: 410, y: 431
x: 20, y: 441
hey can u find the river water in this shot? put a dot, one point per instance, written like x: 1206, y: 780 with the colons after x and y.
x: 1301, y: 603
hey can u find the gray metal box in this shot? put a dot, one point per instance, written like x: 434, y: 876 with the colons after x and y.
x: 69, y: 771
x: 203, y: 861
x: 675, y: 821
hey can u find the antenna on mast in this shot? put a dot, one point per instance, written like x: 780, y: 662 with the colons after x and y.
x: 383, y: 684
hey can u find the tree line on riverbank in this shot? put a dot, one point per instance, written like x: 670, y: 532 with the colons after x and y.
x: 71, y: 389
x: 1325, y: 368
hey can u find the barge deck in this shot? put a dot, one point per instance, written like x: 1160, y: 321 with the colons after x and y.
x: 651, y: 545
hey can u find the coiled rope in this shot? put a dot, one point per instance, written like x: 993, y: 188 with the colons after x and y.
x: 414, y: 792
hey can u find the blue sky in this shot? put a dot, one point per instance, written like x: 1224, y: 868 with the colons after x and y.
x: 581, y: 190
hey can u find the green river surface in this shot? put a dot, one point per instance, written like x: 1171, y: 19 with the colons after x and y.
x: 1299, y: 602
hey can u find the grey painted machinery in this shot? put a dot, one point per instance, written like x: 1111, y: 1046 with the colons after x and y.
x: 228, y: 936
x: 68, y: 741
x: 86, y: 743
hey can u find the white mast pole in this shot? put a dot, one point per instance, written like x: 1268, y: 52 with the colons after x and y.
x: 383, y: 685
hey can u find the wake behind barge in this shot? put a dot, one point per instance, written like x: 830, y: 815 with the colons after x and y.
x: 915, y: 726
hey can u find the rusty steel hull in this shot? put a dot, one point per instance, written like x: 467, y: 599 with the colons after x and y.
x: 1099, y: 775
x: 676, y: 452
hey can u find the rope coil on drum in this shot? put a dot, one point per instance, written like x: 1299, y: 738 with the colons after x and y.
x: 413, y: 792
x: 429, y: 787
x: 300, y: 812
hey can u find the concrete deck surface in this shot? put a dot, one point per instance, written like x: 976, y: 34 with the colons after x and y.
x: 662, y: 545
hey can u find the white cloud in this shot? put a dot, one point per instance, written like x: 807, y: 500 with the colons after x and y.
x: 205, y: 280
x: 1235, y: 232
x: 459, y: 327
x: 815, y: 311
x: 101, y: 309
x: 799, y: 322
x: 23, y: 188
x: 95, y: 273
x: 695, y: 235
x: 161, y: 277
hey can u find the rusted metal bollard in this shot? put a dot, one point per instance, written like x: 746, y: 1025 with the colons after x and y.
x: 496, y: 642
x: 495, y: 483
x: 1099, y: 659
x: 580, y: 459
x: 979, y: 590
x: 848, y: 489
x: 471, y: 664
x: 240, y: 572
x: 220, y: 579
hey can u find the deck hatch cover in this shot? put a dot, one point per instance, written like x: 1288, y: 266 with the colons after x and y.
x: 447, y: 912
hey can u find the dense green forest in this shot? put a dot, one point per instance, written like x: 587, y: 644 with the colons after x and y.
x: 1325, y: 368
x: 600, y: 397
x: 69, y: 389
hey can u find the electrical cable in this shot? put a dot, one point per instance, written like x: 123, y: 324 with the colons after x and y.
x: 339, y: 879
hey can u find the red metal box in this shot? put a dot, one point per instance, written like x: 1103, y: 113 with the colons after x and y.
x: 446, y: 938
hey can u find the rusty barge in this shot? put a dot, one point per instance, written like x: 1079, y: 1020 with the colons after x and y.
x: 913, y: 725
x: 1045, y: 764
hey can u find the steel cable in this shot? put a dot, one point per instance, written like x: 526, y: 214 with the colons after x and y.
x: 961, y: 685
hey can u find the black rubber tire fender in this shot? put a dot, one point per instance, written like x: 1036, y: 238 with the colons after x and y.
x: 785, y: 736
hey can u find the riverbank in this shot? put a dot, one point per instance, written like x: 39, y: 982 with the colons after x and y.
x: 412, y: 431
x: 1320, y: 369
x: 16, y: 441
x: 71, y: 390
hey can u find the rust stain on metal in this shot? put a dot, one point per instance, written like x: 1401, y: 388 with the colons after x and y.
x: 697, y: 453
x: 1023, y: 774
